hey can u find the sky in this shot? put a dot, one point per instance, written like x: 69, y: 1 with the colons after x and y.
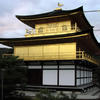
x: 11, y: 27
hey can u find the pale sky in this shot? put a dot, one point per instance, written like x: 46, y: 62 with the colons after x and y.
x: 11, y: 27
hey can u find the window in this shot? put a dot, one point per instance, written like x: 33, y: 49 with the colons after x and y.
x: 40, y: 30
x: 49, y: 77
x: 64, y: 27
x: 84, y: 76
x: 63, y: 76
x: 78, y: 82
x: 49, y: 74
x: 67, y: 77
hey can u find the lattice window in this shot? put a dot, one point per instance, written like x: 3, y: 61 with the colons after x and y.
x: 40, y: 30
x: 64, y: 27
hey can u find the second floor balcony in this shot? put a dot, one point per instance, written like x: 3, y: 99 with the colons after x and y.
x: 79, y: 55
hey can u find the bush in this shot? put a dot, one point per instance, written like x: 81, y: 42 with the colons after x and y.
x: 44, y: 95
x: 47, y: 95
x: 62, y: 96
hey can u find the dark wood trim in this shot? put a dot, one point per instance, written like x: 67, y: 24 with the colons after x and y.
x: 58, y: 73
x: 61, y: 85
x: 69, y: 88
x: 85, y: 78
x: 42, y: 72
x: 75, y: 75
x: 82, y: 77
x: 57, y: 68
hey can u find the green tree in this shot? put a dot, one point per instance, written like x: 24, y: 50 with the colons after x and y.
x: 14, y: 72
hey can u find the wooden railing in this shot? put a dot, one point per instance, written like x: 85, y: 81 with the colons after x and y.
x: 51, y: 31
x: 83, y: 55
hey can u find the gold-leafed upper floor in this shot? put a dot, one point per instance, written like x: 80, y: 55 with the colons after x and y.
x: 55, y: 28
x: 62, y: 51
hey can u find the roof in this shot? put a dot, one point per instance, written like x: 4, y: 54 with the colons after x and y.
x: 86, y: 36
x: 55, y: 15
x: 49, y: 14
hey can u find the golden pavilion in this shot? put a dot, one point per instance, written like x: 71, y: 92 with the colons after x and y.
x: 59, y: 50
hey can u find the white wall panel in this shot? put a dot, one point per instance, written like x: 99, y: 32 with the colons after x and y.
x: 35, y: 67
x: 67, y: 66
x: 78, y: 82
x: 66, y: 77
x: 78, y: 73
x: 85, y: 80
x: 91, y: 79
x: 85, y: 73
x: 49, y: 77
x: 82, y: 81
x: 78, y: 67
x: 91, y: 74
x: 49, y: 66
x: 88, y: 74
x: 82, y: 73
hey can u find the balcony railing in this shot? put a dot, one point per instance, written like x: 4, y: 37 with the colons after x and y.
x: 51, y: 30
x: 83, y: 55
x: 79, y: 55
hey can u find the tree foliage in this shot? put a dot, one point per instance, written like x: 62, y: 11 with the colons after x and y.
x: 13, y: 72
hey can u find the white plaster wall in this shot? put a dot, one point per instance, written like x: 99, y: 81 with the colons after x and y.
x: 67, y: 66
x: 66, y: 77
x: 49, y: 77
x: 35, y: 67
x: 50, y: 66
